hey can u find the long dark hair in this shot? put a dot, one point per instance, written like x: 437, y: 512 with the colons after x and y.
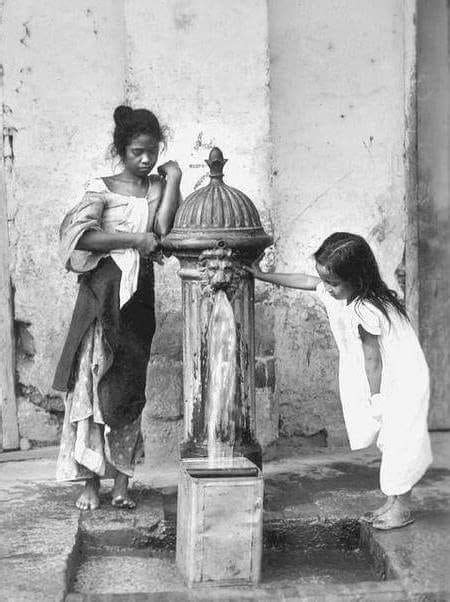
x: 351, y: 259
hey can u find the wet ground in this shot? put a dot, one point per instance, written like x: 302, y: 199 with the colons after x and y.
x: 123, y: 570
x: 314, y: 548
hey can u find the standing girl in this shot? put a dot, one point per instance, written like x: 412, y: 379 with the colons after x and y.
x: 109, y: 239
x: 383, y: 375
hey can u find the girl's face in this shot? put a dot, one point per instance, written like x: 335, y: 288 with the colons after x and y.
x: 337, y: 288
x: 141, y: 155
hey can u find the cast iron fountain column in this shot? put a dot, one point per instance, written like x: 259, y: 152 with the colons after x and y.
x: 217, y: 229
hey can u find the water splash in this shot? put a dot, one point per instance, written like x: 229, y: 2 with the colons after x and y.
x: 221, y: 381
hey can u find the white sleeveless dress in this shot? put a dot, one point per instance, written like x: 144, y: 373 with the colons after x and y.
x: 399, y: 423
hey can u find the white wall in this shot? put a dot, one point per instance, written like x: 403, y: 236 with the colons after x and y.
x: 306, y: 99
x: 338, y: 128
x: 203, y: 68
x: 64, y: 72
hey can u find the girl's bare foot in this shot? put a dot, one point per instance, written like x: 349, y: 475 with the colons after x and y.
x: 397, y: 516
x: 369, y: 517
x: 120, y: 497
x: 89, y: 499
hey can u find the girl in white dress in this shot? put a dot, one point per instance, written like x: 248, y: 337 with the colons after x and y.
x: 383, y: 374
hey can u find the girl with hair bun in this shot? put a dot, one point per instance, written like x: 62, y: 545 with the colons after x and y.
x: 383, y: 374
x: 111, y: 239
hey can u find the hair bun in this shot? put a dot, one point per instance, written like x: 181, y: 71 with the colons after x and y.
x: 121, y: 115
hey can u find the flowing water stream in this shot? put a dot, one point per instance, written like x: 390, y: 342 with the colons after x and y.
x: 221, y: 379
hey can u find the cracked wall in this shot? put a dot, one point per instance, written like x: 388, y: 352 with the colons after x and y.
x: 61, y: 80
x: 340, y: 81
x: 307, y: 102
x: 207, y: 79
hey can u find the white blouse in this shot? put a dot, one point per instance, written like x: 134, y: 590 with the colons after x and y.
x: 102, y: 209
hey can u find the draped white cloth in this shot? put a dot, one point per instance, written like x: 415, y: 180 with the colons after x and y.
x: 88, y: 446
x: 101, y: 209
x: 398, y: 418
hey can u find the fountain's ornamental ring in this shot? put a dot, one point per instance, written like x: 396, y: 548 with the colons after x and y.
x: 217, y: 215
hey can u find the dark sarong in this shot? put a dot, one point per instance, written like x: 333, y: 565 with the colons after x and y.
x: 127, y: 333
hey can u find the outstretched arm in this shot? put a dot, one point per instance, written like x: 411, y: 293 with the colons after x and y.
x: 301, y: 281
x: 372, y: 359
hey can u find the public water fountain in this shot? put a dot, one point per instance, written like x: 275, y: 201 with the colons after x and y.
x: 217, y: 229
x: 219, y: 521
x: 219, y: 515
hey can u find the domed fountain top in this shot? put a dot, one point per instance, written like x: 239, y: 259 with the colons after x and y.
x: 217, y: 215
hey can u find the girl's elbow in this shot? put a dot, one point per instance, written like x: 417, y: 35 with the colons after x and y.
x: 86, y: 243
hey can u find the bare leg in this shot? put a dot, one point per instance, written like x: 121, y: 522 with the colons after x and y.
x: 120, y: 497
x: 89, y: 499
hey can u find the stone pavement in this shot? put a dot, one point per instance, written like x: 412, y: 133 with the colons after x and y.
x: 42, y: 530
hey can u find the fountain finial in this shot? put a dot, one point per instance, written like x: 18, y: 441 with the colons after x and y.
x: 217, y: 215
x: 215, y: 163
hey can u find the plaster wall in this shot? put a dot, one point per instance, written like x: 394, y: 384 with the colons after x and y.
x: 64, y: 72
x: 203, y: 68
x: 338, y: 88
x: 305, y: 99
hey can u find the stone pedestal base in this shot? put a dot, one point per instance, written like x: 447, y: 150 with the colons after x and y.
x: 219, y: 522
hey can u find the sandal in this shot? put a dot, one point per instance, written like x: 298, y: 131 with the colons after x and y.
x: 368, y: 517
x: 124, y: 503
x: 393, y: 523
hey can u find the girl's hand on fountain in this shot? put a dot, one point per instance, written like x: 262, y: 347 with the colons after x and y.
x: 146, y: 243
x: 254, y: 268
